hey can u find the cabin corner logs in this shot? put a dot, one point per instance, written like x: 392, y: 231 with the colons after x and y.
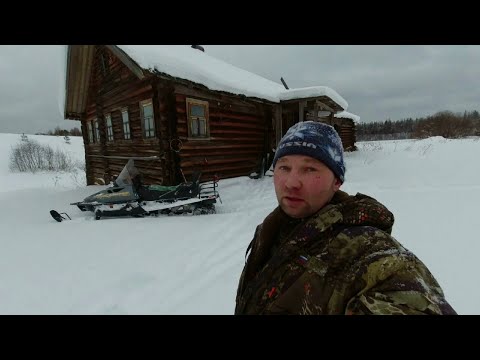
x: 240, y: 138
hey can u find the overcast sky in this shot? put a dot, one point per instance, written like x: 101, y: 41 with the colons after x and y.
x: 377, y: 81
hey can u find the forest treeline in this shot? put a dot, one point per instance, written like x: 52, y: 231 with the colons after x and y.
x: 62, y: 132
x: 445, y: 123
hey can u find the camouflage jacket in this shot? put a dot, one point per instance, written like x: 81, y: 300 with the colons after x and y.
x: 341, y: 260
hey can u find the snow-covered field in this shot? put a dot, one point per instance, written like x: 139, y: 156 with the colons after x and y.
x: 191, y: 264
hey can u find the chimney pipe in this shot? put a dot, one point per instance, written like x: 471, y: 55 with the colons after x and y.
x: 198, y: 47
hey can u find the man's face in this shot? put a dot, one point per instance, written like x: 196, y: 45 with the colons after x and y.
x: 303, y: 185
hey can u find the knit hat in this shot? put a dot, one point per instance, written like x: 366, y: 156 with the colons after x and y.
x: 317, y: 140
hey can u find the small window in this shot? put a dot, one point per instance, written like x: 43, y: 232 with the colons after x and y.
x: 97, y: 131
x: 90, y: 132
x: 148, y: 120
x: 126, y: 124
x: 108, y: 120
x: 198, y: 124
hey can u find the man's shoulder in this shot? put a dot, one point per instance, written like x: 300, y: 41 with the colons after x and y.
x: 365, y: 232
x: 368, y: 239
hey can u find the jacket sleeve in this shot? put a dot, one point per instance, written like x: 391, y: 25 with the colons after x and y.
x: 247, y: 269
x: 397, y: 284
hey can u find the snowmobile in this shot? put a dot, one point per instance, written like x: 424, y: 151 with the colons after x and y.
x: 130, y: 197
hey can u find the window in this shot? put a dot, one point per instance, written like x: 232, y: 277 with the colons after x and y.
x: 90, y: 132
x: 148, y: 120
x: 108, y: 121
x: 97, y: 130
x: 126, y: 124
x: 198, y: 125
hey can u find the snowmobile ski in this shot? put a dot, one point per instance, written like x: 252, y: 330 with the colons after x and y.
x: 58, y: 216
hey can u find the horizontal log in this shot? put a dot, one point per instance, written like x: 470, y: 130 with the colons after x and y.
x: 182, y: 92
x: 126, y: 157
x: 215, y: 153
x: 219, y: 132
x: 223, y: 110
x: 210, y: 146
x: 210, y: 162
x: 227, y: 124
x: 126, y: 98
x: 224, y: 139
x: 222, y: 171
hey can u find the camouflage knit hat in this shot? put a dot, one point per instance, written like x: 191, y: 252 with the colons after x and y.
x: 317, y: 140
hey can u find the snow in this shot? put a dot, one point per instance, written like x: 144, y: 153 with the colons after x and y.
x: 313, y: 91
x: 347, y: 115
x: 184, y: 62
x: 191, y: 264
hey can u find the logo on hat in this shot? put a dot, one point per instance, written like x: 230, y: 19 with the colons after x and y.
x: 298, y: 143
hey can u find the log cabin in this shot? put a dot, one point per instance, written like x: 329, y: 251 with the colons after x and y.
x: 175, y: 110
x: 344, y: 123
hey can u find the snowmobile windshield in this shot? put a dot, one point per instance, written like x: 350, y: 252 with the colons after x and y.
x: 127, y: 175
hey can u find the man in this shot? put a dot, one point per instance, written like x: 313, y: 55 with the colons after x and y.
x: 322, y: 251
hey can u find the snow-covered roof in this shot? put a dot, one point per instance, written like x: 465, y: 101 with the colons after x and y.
x: 313, y: 91
x: 347, y: 115
x: 182, y: 61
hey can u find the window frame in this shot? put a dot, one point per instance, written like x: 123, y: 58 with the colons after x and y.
x: 152, y: 129
x: 91, y: 139
x: 96, y: 128
x: 109, y: 127
x: 126, y: 135
x: 191, y: 119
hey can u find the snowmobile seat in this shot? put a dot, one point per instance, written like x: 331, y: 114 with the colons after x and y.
x: 182, y: 191
x: 189, y: 189
x: 154, y: 192
x: 149, y: 192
